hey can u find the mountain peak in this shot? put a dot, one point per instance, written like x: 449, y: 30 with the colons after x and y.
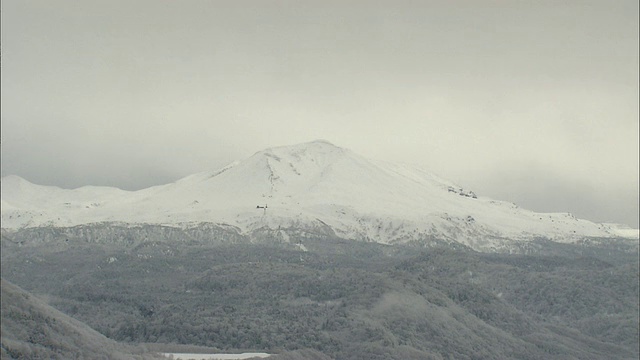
x: 13, y: 179
x: 14, y: 182
x: 305, y: 185
x: 315, y: 145
x: 320, y: 152
x: 322, y: 142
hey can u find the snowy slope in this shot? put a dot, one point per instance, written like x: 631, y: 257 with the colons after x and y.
x: 308, y: 185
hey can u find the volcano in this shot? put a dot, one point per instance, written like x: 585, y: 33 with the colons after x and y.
x: 313, y: 187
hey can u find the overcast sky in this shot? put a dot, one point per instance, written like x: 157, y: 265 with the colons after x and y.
x: 534, y: 102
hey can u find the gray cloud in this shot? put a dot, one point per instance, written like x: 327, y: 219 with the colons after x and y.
x: 133, y: 94
x: 538, y: 187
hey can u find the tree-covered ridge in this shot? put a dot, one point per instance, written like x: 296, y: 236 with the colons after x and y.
x: 348, y: 300
x: 34, y: 330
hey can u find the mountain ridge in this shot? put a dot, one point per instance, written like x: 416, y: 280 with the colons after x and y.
x: 301, y: 186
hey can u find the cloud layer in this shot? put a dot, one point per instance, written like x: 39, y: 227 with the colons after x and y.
x: 531, y: 101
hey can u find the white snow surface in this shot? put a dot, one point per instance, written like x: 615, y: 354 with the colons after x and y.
x: 186, y: 356
x: 306, y: 185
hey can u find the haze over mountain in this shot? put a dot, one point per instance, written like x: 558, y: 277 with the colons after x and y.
x: 311, y: 187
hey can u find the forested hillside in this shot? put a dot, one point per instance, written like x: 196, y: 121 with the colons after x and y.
x: 34, y: 330
x: 345, y: 299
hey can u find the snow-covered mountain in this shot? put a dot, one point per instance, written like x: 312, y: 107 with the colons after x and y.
x: 312, y: 187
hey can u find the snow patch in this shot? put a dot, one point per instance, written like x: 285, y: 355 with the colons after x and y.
x: 623, y: 230
x: 186, y: 356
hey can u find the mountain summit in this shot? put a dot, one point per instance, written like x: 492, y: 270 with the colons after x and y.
x: 308, y: 188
